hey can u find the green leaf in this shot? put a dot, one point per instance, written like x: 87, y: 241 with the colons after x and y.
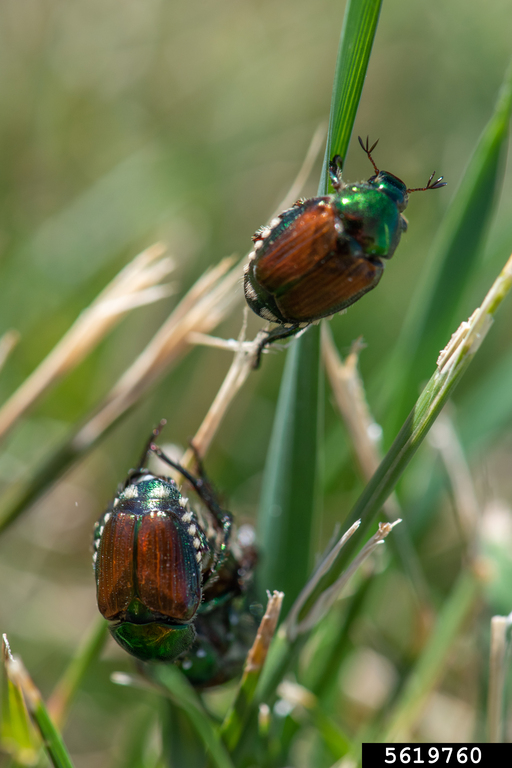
x: 17, y: 733
x: 65, y: 690
x: 239, y: 712
x: 183, y: 696
x: 52, y: 739
x: 288, y: 494
x: 286, y: 513
x: 357, y: 36
x: 457, y: 247
x: 451, y: 366
x: 426, y: 673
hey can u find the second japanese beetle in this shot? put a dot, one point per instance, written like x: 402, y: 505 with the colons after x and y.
x: 167, y: 577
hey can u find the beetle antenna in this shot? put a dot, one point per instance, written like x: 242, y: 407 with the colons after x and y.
x: 149, y: 443
x: 436, y: 185
x: 368, y: 150
x: 335, y: 172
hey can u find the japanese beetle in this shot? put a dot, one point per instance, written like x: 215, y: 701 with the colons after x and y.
x: 170, y: 580
x: 324, y: 253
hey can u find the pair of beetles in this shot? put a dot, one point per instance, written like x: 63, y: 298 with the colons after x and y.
x: 173, y: 582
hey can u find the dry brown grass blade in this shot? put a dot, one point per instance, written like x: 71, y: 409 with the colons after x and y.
x: 443, y: 437
x: 204, y: 307
x: 134, y: 286
x: 7, y: 343
x: 236, y: 377
x: 349, y: 394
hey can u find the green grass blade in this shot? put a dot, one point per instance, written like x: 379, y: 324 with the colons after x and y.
x: 239, y: 712
x: 451, y: 366
x: 181, y: 693
x: 65, y: 690
x: 456, y: 249
x: 425, y: 675
x: 52, y: 739
x: 288, y: 494
x: 357, y: 36
x: 286, y: 513
x: 17, y: 734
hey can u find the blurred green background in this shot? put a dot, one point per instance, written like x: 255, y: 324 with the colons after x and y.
x: 123, y: 123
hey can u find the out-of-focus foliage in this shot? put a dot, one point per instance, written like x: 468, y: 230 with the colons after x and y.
x: 125, y: 123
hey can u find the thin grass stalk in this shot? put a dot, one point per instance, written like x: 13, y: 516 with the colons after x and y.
x: 133, y: 287
x: 456, y: 248
x: 349, y: 394
x: 52, y: 739
x: 500, y: 627
x: 300, y: 622
x: 238, y: 713
x: 88, y: 652
x: 451, y: 366
x: 203, y: 307
x: 236, y: 377
x: 430, y: 666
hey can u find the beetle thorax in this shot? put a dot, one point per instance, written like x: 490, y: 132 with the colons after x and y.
x: 393, y: 187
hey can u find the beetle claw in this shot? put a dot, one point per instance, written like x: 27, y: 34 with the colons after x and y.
x: 368, y: 150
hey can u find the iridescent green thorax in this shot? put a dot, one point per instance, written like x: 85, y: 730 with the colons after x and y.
x: 325, y: 253
x: 393, y: 187
x: 371, y: 217
x: 154, y: 488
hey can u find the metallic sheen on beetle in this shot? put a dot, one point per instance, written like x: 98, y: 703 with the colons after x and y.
x: 174, y: 583
x: 324, y: 253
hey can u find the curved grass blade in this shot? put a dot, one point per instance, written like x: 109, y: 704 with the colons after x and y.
x: 357, y: 36
x: 65, y: 690
x: 451, y: 366
x: 288, y: 495
x: 455, y: 252
x: 426, y: 673
x: 52, y: 739
x: 286, y: 512
x: 236, y: 717
x: 17, y: 734
x: 181, y: 693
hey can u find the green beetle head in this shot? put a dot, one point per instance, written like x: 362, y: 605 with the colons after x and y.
x: 393, y: 187
x: 154, y: 641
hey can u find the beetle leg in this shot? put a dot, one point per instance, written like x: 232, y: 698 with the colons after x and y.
x: 205, y: 491
x: 335, y: 172
x: 275, y: 335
